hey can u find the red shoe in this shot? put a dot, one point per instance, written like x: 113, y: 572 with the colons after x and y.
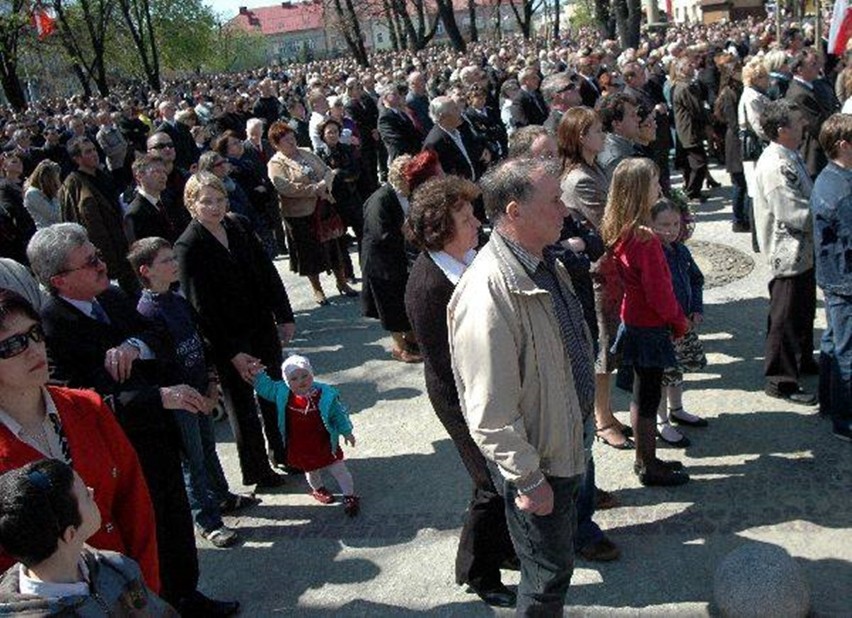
x: 351, y: 505
x: 322, y: 495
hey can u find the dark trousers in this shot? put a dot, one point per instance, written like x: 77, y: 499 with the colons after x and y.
x: 789, y: 330
x: 741, y: 214
x: 545, y: 547
x: 835, y: 377
x: 484, y: 543
x: 588, y: 532
x: 242, y: 407
x: 695, y: 171
x: 178, y: 558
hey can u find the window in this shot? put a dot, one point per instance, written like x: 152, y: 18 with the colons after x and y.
x: 380, y: 37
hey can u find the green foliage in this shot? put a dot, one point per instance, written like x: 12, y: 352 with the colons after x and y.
x: 185, y: 31
x: 583, y: 16
x: 234, y: 49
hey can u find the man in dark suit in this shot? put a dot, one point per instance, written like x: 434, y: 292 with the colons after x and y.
x: 362, y: 109
x: 531, y: 101
x: 88, y: 197
x: 806, y: 67
x: 147, y: 214
x: 590, y: 92
x: 445, y: 139
x: 186, y: 152
x: 398, y: 133
x: 97, y: 340
x: 561, y: 92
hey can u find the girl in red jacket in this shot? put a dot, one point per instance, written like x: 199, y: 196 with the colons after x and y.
x: 650, y: 313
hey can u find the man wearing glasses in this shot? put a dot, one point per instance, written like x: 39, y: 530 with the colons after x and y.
x: 96, y: 339
x: 89, y: 197
x: 560, y: 91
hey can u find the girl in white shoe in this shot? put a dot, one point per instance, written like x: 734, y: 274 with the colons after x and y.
x: 688, y: 284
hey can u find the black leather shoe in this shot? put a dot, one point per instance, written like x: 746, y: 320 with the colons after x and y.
x: 602, y: 551
x: 499, y: 596
x: 660, y: 476
x: 271, y: 481
x: 511, y: 564
x: 200, y: 606
x: 797, y: 396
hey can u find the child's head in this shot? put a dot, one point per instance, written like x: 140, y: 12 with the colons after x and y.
x: 634, y: 189
x: 154, y: 262
x: 298, y: 374
x: 666, y: 220
x: 45, y: 507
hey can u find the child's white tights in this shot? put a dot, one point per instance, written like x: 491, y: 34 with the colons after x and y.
x: 340, y: 473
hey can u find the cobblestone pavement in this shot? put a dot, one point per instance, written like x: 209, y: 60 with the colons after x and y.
x: 763, y: 471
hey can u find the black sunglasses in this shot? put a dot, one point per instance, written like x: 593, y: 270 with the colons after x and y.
x: 161, y: 146
x: 18, y: 344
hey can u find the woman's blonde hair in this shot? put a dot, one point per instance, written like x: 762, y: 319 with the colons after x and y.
x: 198, y: 181
x: 753, y: 70
x: 629, y: 202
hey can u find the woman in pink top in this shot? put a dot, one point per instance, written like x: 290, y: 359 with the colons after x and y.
x: 650, y: 313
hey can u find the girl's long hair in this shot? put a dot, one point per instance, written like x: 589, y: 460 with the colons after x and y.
x: 629, y: 204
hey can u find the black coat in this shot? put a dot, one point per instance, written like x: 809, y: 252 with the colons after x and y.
x: 589, y: 94
x: 452, y: 160
x: 383, y: 245
x: 814, y: 115
x: 186, y: 152
x: 534, y: 107
x: 236, y: 291
x: 16, y: 224
x: 77, y: 344
x: 399, y: 134
x: 143, y: 220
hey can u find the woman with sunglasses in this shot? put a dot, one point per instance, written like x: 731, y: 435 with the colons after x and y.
x: 74, y: 426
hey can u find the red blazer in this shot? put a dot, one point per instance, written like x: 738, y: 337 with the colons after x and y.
x: 649, y: 298
x: 105, y: 460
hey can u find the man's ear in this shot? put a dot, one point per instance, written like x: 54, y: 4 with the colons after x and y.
x: 513, y: 209
x: 144, y: 270
x: 68, y: 535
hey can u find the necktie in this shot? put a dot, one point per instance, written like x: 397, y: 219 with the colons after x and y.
x: 99, y: 314
x: 60, y: 433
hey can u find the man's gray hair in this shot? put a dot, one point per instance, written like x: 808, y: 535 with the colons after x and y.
x: 513, y: 180
x: 49, y: 248
x: 555, y: 83
x: 439, y: 106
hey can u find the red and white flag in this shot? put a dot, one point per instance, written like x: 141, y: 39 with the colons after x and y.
x: 841, y: 27
x: 44, y: 20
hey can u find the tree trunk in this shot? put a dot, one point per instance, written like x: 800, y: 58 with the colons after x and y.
x: 628, y: 17
x: 445, y: 10
x: 557, y: 16
x: 361, y: 55
x: 473, y: 33
x: 83, y: 77
x: 604, y: 19
x: 12, y: 87
x: 391, y: 18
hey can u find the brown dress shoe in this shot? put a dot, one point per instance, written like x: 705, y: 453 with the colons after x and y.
x: 602, y: 551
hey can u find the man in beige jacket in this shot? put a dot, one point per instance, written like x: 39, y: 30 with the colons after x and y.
x: 522, y: 358
x: 785, y: 232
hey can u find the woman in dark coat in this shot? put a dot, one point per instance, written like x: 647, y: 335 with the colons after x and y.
x: 244, y: 314
x: 441, y: 223
x: 384, y: 265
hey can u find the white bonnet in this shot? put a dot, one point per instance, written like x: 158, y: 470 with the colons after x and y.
x: 294, y: 362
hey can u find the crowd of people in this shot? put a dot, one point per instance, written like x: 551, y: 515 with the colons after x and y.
x: 513, y: 218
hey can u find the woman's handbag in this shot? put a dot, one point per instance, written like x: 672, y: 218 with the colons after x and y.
x: 326, y: 223
x: 751, y: 145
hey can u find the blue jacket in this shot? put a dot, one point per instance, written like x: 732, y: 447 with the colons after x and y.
x: 687, y: 278
x: 831, y: 205
x: 334, y: 414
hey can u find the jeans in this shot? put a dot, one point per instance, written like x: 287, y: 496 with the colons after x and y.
x: 206, y: 486
x: 588, y: 532
x: 836, y: 358
x: 544, y: 545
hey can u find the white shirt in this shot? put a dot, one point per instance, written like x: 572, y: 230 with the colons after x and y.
x: 30, y: 584
x: 54, y: 446
x: 450, y: 266
x: 403, y: 201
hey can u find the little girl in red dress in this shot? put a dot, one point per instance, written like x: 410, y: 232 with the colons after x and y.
x: 312, y: 419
